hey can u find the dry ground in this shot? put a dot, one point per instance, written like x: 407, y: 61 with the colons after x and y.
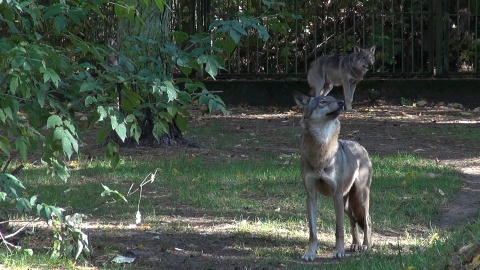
x: 382, y: 130
x: 213, y: 244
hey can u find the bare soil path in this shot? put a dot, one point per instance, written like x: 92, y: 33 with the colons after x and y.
x: 429, y: 132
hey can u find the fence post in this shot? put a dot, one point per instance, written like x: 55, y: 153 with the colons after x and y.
x: 202, y: 11
x: 441, y: 38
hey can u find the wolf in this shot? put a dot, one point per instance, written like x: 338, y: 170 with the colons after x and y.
x: 346, y: 70
x: 336, y: 168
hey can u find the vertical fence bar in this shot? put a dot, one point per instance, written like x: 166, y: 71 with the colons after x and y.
x: 312, y: 28
x: 393, y: 36
x: 334, y: 28
x: 446, y: 37
x: 431, y: 37
x: 422, y: 43
x: 439, y: 37
x: 459, y: 62
x: 476, y: 37
x: 402, y: 28
x: 383, y: 37
x: 413, y: 36
x: 295, y: 50
x: 354, y: 29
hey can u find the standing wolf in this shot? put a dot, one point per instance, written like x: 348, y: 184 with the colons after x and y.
x: 335, y: 168
x: 346, y: 70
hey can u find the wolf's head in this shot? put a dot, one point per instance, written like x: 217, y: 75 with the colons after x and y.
x: 319, y: 109
x: 364, y: 58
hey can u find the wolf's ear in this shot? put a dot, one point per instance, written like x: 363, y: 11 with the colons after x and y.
x: 301, y: 99
x: 357, y: 49
x: 372, y: 49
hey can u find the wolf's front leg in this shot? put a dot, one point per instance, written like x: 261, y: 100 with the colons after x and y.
x: 311, y: 251
x: 339, y: 232
x: 348, y: 91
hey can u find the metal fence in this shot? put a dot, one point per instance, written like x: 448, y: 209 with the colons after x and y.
x: 413, y: 38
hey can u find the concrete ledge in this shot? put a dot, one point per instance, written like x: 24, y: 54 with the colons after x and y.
x: 280, y: 92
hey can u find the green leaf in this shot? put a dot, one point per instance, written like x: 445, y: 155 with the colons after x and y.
x: 8, y: 112
x: 14, y: 82
x: 214, y: 63
x: 235, y: 35
x: 60, y: 169
x: 5, y: 145
x: 263, y: 32
x: 172, y: 108
x: 41, y: 95
x: 112, y: 153
x: 102, y: 113
x: 179, y: 36
x: 90, y: 100
x: 212, y: 105
x: 3, y: 117
x: 51, y: 11
x: 159, y: 129
x: 108, y: 192
x: 66, y: 139
x: 23, y: 205
x: 57, y: 212
x: 54, y: 121
x: 121, y: 130
x: 171, y: 91
x: 33, y: 200
x: 135, y: 131
x: 160, y: 5
x: 181, y: 122
x: 60, y: 22
x: 227, y: 45
x: 20, y: 144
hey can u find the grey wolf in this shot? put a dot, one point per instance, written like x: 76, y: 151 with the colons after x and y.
x: 336, y: 168
x: 346, y: 70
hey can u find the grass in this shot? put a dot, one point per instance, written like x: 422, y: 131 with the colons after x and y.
x: 264, y: 202
x: 266, y: 198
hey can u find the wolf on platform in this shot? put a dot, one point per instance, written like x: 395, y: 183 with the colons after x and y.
x: 345, y: 70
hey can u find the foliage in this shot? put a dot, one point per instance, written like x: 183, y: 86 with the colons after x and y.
x: 69, y: 240
x: 405, y: 33
x: 50, y: 71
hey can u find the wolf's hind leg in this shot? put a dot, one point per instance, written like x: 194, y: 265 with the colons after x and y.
x: 326, y: 89
x: 360, y: 201
x: 355, y: 246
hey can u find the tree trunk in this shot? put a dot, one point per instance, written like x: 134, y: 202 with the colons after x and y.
x: 153, y: 24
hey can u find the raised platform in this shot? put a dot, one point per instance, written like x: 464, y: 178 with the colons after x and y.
x: 280, y: 92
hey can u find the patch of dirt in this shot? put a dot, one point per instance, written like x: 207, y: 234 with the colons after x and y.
x: 381, y: 130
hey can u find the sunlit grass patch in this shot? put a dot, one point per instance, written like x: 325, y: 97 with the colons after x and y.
x: 263, y: 202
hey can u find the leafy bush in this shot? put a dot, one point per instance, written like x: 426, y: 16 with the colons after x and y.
x: 51, y: 69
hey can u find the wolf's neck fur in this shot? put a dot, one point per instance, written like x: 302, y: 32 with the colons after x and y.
x: 320, y: 142
x: 357, y: 72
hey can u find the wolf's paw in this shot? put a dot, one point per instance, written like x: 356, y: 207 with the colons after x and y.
x: 355, y: 248
x: 339, y: 254
x: 358, y: 248
x: 308, y: 257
